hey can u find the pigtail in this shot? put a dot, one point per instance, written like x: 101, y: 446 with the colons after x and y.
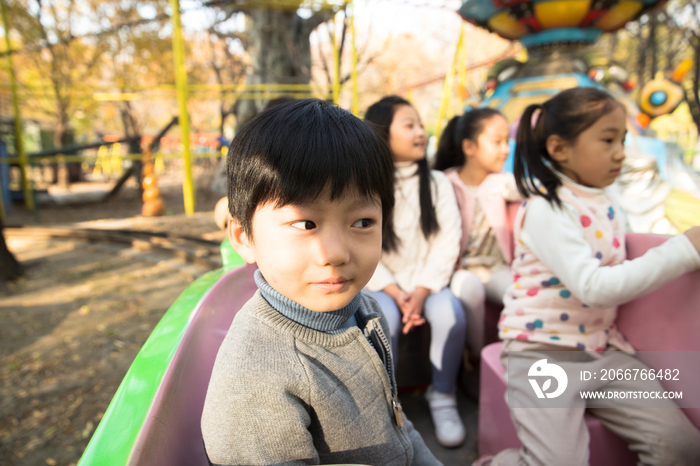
x: 449, y: 152
x: 532, y: 162
x: 428, y: 217
x: 467, y: 126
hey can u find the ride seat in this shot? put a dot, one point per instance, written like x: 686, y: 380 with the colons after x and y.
x: 172, y: 433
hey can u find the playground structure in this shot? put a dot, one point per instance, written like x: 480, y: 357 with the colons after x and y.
x: 182, y: 91
x: 657, y: 189
x: 557, y: 34
x: 154, y: 417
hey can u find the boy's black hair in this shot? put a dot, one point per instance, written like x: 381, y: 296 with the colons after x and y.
x: 290, y: 153
x: 381, y: 114
x: 279, y: 101
x: 469, y: 125
x: 567, y: 115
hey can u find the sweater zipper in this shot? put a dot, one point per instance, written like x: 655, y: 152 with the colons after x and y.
x: 378, y: 333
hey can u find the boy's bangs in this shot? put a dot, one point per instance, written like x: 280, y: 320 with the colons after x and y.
x: 294, y: 153
x: 335, y: 156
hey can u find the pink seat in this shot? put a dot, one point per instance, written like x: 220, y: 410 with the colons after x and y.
x: 493, y: 312
x: 664, y: 320
x: 171, y: 433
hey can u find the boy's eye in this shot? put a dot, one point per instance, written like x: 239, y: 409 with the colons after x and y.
x: 363, y: 223
x: 304, y: 225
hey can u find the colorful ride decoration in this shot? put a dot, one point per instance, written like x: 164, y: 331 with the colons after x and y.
x: 557, y: 35
x: 661, y: 96
x: 153, y: 204
x: 542, y: 22
x: 656, y: 188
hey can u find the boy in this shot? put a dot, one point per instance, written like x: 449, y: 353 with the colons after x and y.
x: 305, y: 375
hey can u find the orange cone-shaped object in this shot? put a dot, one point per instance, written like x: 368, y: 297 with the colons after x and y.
x: 153, y: 204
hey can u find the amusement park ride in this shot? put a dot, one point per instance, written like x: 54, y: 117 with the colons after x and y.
x: 155, y: 414
x: 659, y: 192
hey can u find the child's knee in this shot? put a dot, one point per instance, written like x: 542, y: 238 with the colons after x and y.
x: 679, y: 446
x: 562, y: 456
x: 468, y: 288
x: 444, y: 308
x: 567, y: 457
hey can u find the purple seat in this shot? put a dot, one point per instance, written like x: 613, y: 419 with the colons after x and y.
x: 666, y: 319
x: 171, y: 433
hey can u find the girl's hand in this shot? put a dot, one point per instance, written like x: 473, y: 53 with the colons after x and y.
x: 413, y: 308
x: 396, y: 293
x: 694, y: 235
x: 401, y: 298
x: 416, y: 320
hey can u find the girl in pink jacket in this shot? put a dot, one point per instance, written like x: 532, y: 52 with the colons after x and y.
x: 472, y: 150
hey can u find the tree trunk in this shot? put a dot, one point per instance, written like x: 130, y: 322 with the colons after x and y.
x: 67, y: 172
x: 132, y: 130
x: 10, y: 269
x: 61, y: 170
x: 280, y: 52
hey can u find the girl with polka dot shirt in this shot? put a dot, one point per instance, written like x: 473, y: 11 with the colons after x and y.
x: 570, y: 273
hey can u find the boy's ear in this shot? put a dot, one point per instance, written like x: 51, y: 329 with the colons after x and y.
x: 240, y: 241
x: 468, y: 147
x: 558, y: 148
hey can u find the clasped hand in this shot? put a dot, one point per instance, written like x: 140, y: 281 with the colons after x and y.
x: 410, y: 305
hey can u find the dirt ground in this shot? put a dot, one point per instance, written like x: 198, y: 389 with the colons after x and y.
x: 70, y: 328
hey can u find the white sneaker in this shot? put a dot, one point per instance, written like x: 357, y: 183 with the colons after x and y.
x: 449, y: 429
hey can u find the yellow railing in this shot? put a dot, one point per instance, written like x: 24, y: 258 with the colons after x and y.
x: 96, y: 157
x: 182, y: 95
x: 182, y: 92
x: 28, y: 198
x: 449, y: 84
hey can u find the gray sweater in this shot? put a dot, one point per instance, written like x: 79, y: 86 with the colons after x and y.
x: 283, y: 393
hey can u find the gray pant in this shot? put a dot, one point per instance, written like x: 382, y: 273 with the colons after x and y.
x: 559, y: 436
x: 447, y: 330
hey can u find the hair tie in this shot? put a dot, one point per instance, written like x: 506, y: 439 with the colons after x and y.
x: 535, y: 117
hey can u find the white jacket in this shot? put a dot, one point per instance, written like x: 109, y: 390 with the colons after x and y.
x: 420, y: 262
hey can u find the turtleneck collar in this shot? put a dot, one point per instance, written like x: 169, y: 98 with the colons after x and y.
x: 587, y: 190
x: 328, y: 322
x: 405, y: 169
